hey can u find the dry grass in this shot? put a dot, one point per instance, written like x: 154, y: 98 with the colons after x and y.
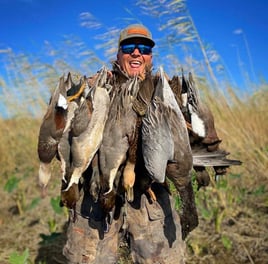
x: 18, y: 139
x: 242, y: 123
x: 233, y: 212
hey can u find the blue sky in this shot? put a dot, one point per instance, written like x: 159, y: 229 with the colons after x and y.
x: 236, y: 29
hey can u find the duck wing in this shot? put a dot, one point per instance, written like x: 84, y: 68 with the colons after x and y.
x: 218, y: 158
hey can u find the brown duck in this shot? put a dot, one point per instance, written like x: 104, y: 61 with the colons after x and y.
x: 203, y: 136
x: 51, y: 129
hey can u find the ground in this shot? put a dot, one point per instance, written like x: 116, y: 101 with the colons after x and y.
x: 239, y: 236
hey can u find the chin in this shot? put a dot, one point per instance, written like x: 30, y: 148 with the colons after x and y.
x: 134, y: 73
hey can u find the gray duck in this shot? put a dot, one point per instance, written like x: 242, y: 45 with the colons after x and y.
x: 166, y: 149
x: 84, y: 137
x: 118, y: 141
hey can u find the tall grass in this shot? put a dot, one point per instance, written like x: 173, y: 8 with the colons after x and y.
x: 242, y: 124
x: 18, y: 145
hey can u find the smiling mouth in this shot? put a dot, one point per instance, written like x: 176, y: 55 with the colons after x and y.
x: 135, y: 64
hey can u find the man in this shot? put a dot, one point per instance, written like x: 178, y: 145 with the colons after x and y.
x: 135, y: 50
x: 151, y: 228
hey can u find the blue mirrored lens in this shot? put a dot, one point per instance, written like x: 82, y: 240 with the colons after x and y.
x: 143, y: 49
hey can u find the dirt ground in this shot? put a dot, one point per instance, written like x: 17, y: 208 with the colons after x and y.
x: 243, y: 236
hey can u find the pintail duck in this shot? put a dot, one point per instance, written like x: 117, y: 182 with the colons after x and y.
x: 51, y: 129
x: 202, y: 133
x: 118, y: 148
x: 84, y: 136
x: 166, y: 149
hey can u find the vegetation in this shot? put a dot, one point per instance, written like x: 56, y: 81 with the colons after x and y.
x: 233, y: 210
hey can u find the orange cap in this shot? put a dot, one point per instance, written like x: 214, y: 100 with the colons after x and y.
x: 136, y: 31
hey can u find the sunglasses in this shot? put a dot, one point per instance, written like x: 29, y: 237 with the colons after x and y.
x: 143, y: 49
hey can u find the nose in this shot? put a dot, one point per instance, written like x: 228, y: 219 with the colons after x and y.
x: 136, y: 51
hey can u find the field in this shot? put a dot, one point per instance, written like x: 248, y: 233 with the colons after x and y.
x: 233, y: 211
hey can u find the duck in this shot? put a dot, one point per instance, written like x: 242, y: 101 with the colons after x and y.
x: 118, y: 145
x: 201, y: 117
x: 83, y: 137
x: 158, y: 144
x: 140, y: 105
x: 51, y: 130
x: 202, y: 133
x: 205, y: 143
x: 166, y: 149
x: 78, y: 119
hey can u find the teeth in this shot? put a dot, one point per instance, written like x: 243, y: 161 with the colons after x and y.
x: 135, y: 62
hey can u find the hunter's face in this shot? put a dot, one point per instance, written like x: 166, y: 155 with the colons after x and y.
x: 134, y: 57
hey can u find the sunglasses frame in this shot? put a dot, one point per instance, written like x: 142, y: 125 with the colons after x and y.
x: 143, y: 49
